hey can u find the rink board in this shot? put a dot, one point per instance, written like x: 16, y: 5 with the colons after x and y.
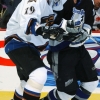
x: 9, y: 79
x: 8, y: 96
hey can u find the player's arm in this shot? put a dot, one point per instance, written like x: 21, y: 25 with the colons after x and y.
x: 45, y: 29
x: 88, y: 22
x: 31, y: 15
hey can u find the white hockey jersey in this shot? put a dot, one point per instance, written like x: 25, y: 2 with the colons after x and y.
x: 27, y: 9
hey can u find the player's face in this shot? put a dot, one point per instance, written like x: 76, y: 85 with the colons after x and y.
x: 97, y: 4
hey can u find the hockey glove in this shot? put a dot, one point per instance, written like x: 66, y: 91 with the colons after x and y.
x: 53, y: 33
x: 84, y: 35
x: 59, y: 32
x: 47, y: 32
x: 75, y: 24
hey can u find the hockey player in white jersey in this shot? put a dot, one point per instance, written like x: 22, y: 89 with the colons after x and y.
x: 25, y: 52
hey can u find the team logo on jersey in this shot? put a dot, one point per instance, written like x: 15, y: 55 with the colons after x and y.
x: 80, y: 12
x: 56, y: 2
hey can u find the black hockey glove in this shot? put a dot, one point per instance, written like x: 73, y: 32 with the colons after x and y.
x: 53, y: 33
x: 84, y: 35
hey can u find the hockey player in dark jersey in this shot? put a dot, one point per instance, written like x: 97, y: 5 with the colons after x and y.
x: 68, y: 58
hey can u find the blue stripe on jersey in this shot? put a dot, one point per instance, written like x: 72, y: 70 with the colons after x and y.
x: 98, y: 71
x: 20, y: 96
x: 32, y: 93
x: 60, y: 46
x: 15, y: 44
x: 51, y: 95
x: 31, y: 26
x: 82, y: 95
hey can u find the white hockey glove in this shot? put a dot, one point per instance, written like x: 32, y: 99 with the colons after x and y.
x: 75, y: 24
x: 84, y: 35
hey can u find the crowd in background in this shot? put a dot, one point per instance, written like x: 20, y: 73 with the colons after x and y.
x: 6, y: 9
x: 8, y: 6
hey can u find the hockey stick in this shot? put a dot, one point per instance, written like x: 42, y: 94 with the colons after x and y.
x: 90, y: 37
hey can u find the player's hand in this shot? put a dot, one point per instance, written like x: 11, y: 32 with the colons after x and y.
x: 53, y: 33
x: 84, y: 35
